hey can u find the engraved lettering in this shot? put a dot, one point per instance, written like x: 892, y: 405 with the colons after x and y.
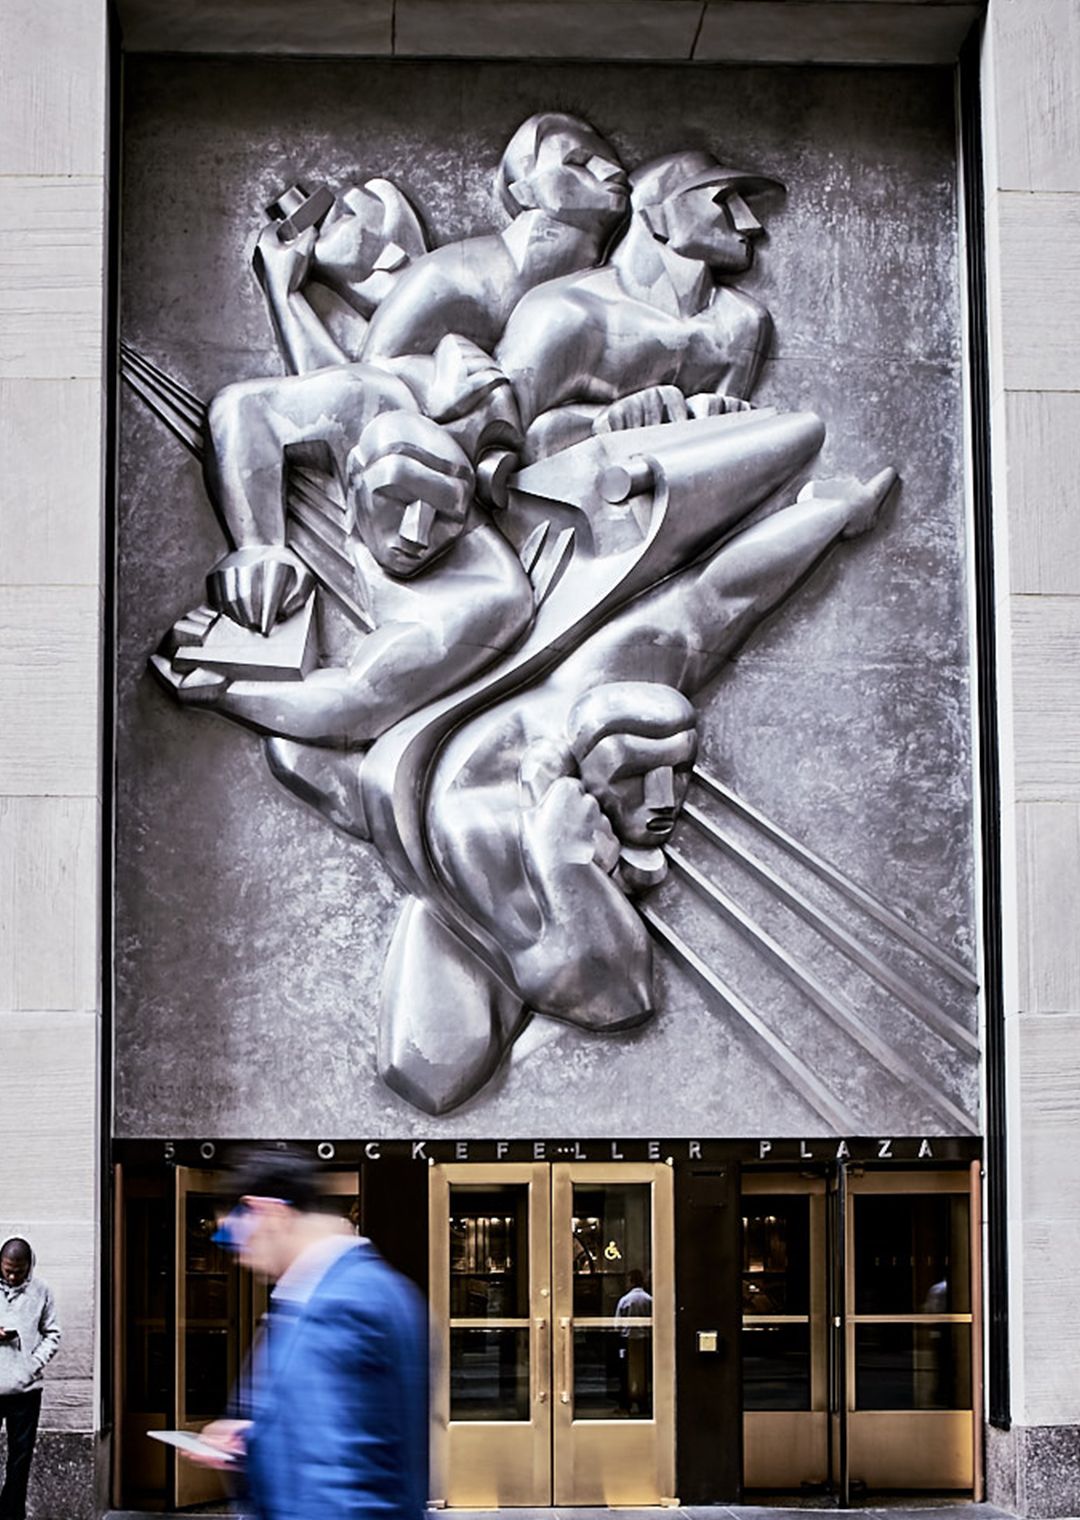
x: 764, y: 1147
x: 693, y: 1150
x: 371, y: 1151
x: 418, y: 1151
x: 884, y: 1150
x: 926, y: 1151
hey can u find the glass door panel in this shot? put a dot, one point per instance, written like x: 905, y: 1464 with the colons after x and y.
x: 614, y: 1316
x: 784, y: 1352
x: 910, y: 1332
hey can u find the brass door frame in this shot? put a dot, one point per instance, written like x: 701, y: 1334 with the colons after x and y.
x: 551, y: 1458
x: 937, y: 1445
x: 191, y: 1484
x: 783, y: 1448
x: 615, y: 1462
x: 462, y: 1450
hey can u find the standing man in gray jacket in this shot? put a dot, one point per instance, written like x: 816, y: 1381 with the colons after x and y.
x: 29, y: 1337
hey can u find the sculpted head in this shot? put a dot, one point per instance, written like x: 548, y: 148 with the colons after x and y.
x: 412, y: 487
x: 560, y: 165
x: 698, y: 208
x: 635, y: 743
x: 370, y: 236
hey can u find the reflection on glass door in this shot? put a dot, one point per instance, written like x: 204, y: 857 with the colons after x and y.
x: 209, y: 1286
x: 785, y: 1392
x: 612, y: 1230
x: 552, y: 1289
x: 910, y: 1329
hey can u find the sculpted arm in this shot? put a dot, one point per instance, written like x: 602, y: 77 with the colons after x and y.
x: 589, y: 962
x: 282, y: 270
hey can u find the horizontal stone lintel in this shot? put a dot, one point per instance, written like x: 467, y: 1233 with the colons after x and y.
x: 875, y: 32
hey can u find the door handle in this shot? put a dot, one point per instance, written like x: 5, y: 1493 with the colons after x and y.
x: 541, y: 1361
x: 564, y: 1352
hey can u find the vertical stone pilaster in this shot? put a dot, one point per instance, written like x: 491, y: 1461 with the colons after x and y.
x: 1032, y: 135
x: 53, y: 195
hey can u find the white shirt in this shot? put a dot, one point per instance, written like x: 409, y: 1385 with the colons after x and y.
x: 299, y: 1281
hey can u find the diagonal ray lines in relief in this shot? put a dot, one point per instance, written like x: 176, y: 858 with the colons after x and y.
x: 181, y: 402
x: 832, y: 1004
x: 921, y: 943
x: 829, y: 928
x: 777, y: 1052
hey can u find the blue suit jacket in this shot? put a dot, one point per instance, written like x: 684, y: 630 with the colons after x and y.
x: 341, y: 1402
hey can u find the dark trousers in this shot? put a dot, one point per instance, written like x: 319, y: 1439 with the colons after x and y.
x: 19, y: 1412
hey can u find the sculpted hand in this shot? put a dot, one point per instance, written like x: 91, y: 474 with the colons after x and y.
x: 716, y: 404
x: 195, y: 688
x: 259, y: 585
x: 655, y: 404
x: 566, y: 827
x: 282, y: 268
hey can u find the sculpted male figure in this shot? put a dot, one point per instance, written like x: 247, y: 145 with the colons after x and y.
x: 545, y: 912
x: 566, y: 193
x: 657, y: 334
x: 443, y: 589
x: 558, y: 180
x: 256, y: 428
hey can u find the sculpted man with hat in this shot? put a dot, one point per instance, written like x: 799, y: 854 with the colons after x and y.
x: 658, y: 334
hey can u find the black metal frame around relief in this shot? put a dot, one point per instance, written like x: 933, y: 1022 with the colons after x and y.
x: 989, y: 777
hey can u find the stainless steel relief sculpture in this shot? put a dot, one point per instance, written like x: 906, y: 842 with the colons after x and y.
x: 533, y: 477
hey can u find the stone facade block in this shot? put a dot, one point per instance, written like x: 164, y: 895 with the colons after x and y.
x: 49, y: 698
x: 1049, y: 1094
x: 48, y: 1119
x: 269, y: 26
x: 1043, y: 461
x: 1039, y: 252
x: 1049, y: 890
x: 1046, y: 715
x: 881, y: 31
x: 1039, y: 147
x: 52, y: 251
x: 49, y: 909
x: 656, y: 29
x: 50, y: 498
x: 53, y: 87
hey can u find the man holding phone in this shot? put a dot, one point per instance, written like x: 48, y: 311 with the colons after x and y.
x: 29, y: 1338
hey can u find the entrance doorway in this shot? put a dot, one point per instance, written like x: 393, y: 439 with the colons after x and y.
x: 552, y: 1294
x: 860, y: 1334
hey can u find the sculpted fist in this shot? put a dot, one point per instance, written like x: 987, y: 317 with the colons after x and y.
x: 656, y: 403
x: 259, y: 585
x: 566, y: 827
x: 716, y: 404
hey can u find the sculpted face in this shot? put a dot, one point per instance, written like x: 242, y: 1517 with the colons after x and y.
x: 640, y: 783
x: 413, y: 487
x: 712, y: 223
x: 410, y: 513
x: 577, y: 178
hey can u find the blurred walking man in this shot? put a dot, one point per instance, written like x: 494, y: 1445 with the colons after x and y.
x: 339, y: 1416
x: 29, y: 1337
